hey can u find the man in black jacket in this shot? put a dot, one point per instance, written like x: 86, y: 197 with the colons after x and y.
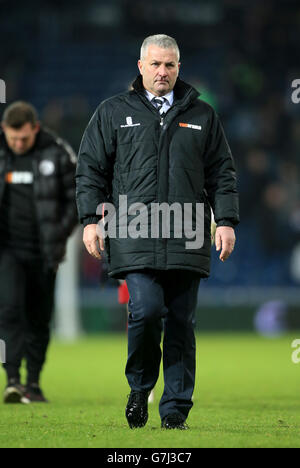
x: 37, y: 215
x: 155, y: 149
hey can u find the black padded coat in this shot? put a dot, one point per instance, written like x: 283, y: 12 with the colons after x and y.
x: 127, y: 150
x: 54, y: 166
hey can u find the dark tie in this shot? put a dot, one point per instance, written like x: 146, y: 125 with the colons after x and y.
x: 159, y: 102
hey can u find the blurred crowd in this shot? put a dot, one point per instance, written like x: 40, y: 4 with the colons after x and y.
x: 242, y: 56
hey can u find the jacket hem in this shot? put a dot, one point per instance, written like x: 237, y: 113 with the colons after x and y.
x: 120, y: 273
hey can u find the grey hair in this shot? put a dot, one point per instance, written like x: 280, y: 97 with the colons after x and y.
x: 160, y: 40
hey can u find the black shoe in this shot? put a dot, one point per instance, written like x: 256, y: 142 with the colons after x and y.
x: 14, y: 392
x: 174, y: 421
x: 137, y: 409
x: 33, y: 394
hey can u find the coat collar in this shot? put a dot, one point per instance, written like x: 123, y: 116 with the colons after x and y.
x: 182, y: 90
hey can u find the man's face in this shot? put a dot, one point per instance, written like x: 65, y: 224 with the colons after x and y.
x: 21, y: 140
x: 160, y: 69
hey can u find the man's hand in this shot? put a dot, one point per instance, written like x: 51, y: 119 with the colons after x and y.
x: 225, y: 239
x: 92, y: 240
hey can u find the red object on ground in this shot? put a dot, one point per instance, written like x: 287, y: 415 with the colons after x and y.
x: 123, y: 293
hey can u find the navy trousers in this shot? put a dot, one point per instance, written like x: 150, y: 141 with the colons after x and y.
x: 163, y: 301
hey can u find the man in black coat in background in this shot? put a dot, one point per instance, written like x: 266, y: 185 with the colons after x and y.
x: 37, y: 215
x: 158, y: 144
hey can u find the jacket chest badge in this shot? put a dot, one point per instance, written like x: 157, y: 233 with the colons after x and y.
x: 19, y: 178
x: 47, y: 168
x: 129, y: 123
x: 187, y: 125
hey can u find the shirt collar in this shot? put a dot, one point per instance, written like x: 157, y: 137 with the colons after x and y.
x: 169, y: 97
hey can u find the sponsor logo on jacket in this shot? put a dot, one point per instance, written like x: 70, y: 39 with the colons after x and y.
x: 192, y: 126
x: 47, y: 168
x: 19, y: 178
x: 129, y: 123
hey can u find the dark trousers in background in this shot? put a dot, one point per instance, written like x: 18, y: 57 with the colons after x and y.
x: 163, y: 301
x: 26, y: 306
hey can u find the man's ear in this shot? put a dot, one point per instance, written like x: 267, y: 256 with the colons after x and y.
x: 37, y: 128
x: 140, y: 66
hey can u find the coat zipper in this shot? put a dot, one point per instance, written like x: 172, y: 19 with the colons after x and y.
x: 162, y: 128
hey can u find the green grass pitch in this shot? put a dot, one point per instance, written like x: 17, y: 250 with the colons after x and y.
x: 247, y: 395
